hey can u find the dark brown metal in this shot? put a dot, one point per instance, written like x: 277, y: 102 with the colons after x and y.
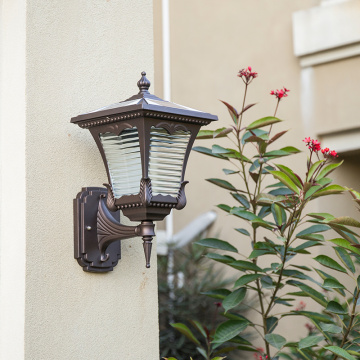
x: 142, y: 111
x: 86, y: 245
x: 98, y: 232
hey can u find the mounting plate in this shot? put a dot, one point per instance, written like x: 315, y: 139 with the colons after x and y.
x: 86, y: 247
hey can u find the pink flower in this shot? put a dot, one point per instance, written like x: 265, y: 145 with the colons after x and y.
x: 325, y: 150
x: 258, y: 353
x: 301, y: 306
x: 313, y: 145
x: 316, y: 145
x: 218, y: 304
x: 280, y: 93
x: 329, y: 153
x: 247, y: 75
x: 311, y: 328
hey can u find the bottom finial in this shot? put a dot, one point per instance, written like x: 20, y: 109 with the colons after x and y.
x: 147, y: 244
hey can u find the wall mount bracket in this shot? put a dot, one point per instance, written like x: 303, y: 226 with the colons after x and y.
x: 98, y: 232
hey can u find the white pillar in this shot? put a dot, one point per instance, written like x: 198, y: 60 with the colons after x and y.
x: 58, y: 59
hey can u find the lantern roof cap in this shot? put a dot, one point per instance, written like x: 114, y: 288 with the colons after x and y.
x: 144, y: 101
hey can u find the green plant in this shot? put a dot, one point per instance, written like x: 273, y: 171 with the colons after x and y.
x: 276, y: 224
x: 193, y: 274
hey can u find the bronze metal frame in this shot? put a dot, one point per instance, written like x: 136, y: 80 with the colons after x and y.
x: 98, y: 230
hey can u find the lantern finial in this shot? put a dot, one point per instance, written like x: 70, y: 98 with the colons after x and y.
x: 143, y: 83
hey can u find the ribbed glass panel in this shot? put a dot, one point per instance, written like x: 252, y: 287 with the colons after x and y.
x: 124, y: 161
x: 167, y: 154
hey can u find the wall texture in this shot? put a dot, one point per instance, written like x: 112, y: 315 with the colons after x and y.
x: 78, y: 56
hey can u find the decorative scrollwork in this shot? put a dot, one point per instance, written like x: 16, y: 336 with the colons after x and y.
x: 145, y: 191
x: 110, y: 199
x: 181, y: 198
x: 110, y: 230
x: 171, y: 128
x: 118, y: 128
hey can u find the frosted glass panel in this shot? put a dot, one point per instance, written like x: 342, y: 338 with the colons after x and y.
x: 124, y: 161
x: 167, y: 154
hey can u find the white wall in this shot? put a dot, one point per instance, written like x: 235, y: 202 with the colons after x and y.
x: 12, y: 175
x: 79, y: 55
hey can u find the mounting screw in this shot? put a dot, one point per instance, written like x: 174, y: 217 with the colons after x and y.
x: 88, y: 228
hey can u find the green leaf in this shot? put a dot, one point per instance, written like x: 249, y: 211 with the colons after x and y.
x: 333, y: 284
x: 219, y: 133
x: 310, y: 341
x: 346, y: 245
x: 232, y: 111
x: 257, y: 132
x: 285, y: 180
x: 260, y: 222
x: 205, y: 134
x: 198, y: 327
x: 217, y: 149
x: 245, y: 265
x: 219, y: 357
x: 220, y: 258
x: 275, y: 340
x: 312, y: 237
x: 345, y: 220
x: 336, y: 308
x: 276, y: 154
x: 330, y: 263
x: 278, y: 214
x: 330, y: 190
x: 206, y: 151
x: 242, y: 199
x: 217, y: 294
x: 322, y: 216
x: 230, y: 172
x: 269, y: 120
x: 313, y: 229
x: 224, y: 207
x: 290, y: 149
x: 229, y: 329
x: 271, y: 323
x: 245, y: 279
x: 287, y: 171
x: 328, y: 169
x: 315, y: 295
x: 345, y: 258
x: 340, y: 352
x: 313, y: 316
x: 312, y: 191
x: 243, y: 231
x: 216, y: 244
x: 222, y: 183
x: 187, y: 332
x: 331, y: 328
x: 234, y: 299
x: 246, y: 215
x: 313, y: 168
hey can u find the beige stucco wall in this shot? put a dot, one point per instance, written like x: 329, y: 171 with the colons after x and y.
x: 78, y: 56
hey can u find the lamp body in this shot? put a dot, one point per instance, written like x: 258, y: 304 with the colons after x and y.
x: 145, y: 144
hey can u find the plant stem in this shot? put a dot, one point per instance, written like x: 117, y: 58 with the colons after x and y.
x: 242, y: 109
x: 352, y: 317
x: 277, y: 287
x: 277, y: 105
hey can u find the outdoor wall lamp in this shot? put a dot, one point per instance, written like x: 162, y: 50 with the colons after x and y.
x: 145, y: 143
